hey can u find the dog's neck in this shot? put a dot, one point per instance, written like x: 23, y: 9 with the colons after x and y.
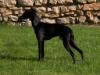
x: 35, y: 20
x: 35, y: 23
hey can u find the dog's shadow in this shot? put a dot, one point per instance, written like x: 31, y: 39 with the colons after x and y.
x: 10, y: 57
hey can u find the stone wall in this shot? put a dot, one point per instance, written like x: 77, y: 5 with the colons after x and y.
x: 53, y: 11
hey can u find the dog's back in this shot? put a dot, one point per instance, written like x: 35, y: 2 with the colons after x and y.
x: 52, y: 30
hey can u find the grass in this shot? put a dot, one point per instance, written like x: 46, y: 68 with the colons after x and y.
x: 18, y: 52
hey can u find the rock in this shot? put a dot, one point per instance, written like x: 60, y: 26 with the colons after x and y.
x: 93, y: 6
x: 79, y: 6
x: 53, y: 2
x: 46, y: 20
x: 5, y: 18
x: 88, y: 7
x: 50, y: 15
x: 69, y: 14
x: 96, y: 20
x: 82, y: 19
x: 7, y: 3
x: 63, y: 20
x: 61, y: 1
x: 16, y: 10
x: 90, y: 17
x: 1, y: 18
x: 60, y: 11
x: 41, y: 9
x: 91, y: 1
x: 2, y: 9
x: 44, y: 2
x: 54, y: 10
x: 25, y: 2
x: 64, y: 2
x: 26, y: 8
x: 88, y: 13
x: 96, y: 13
x: 66, y: 20
x: 80, y: 13
x: 63, y: 9
x: 72, y: 20
x: 13, y: 18
x: 5, y: 12
x: 72, y: 8
x: 40, y: 2
x: 93, y: 19
x: 81, y: 1
x: 2, y: 3
x: 69, y: 1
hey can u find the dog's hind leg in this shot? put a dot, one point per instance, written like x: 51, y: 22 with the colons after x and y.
x: 66, y: 43
x: 72, y: 43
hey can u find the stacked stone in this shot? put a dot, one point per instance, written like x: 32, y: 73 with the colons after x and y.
x: 53, y: 11
x: 9, y: 11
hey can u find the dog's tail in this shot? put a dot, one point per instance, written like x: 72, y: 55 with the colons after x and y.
x: 73, y: 45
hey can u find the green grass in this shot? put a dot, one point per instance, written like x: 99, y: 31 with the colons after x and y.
x: 19, y: 53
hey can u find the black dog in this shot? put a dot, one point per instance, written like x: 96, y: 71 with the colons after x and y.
x: 46, y: 31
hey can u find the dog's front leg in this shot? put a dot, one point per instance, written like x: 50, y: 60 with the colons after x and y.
x: 41, y: 47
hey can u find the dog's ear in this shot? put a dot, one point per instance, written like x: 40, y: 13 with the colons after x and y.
x: 36, y: 20
x: 33, y: 9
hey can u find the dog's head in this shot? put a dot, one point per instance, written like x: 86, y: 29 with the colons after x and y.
x: 29, y: 14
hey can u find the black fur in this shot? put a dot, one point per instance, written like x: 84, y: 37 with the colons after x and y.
x: 46, y: 31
